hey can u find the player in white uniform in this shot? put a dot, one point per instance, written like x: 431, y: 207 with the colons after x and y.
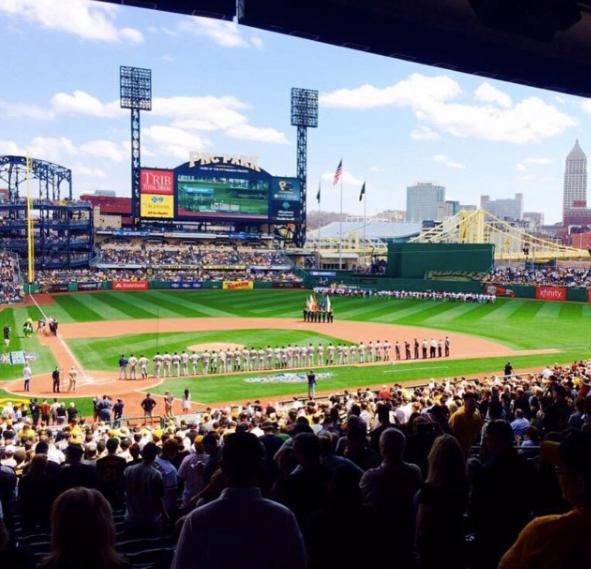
x: 132, y: 367
x: 222, y: 361
x: 352, y: 353
x: 176, y: 364
x: 194, y: 359
x: 361, y: 350
x: 370, y: 351
x: 269, y: 357
x: 378, y: 351
x: 143, y: 363
x: 185, y: 363
x: 157, y: 361
x: 214, y: 362
x: 330, y: 355
x: 205, y: 362
x: 310, y: 354
x: 166, y: 359
x: 320, y: 354
x: 387, y: 347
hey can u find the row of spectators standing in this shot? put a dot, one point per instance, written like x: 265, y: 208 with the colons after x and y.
x: 364, y: 479
x: 559, y: 276
x: 10, y: 287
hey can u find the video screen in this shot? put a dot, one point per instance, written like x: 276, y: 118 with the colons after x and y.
x: 222, y: 197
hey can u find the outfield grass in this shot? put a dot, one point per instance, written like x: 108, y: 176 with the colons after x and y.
x: 518, y: 323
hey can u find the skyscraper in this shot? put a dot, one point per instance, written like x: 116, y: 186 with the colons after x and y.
x: 424, y: 201
x: 575, y: 181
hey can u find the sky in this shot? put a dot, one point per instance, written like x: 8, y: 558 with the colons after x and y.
x: 222, y: 88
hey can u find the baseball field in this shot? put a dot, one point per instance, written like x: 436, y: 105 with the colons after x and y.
x: 96, y: 328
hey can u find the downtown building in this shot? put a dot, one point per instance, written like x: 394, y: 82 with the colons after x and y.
x: 425, y: 202
x: 574, y: 198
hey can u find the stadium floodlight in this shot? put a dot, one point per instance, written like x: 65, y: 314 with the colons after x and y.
x: 304, y: 115
x: 304, y: 107
x: 135, y: 86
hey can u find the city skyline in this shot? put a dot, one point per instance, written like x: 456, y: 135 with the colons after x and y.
x: 220, y: 87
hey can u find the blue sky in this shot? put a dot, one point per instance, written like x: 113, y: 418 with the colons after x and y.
x: 225, y: 88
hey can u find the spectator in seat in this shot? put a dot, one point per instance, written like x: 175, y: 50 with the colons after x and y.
x: 163, y: 463
x: 560, y: 541
x: 466, y: 423
x: 240, y: 528
x: 389, y: 490
x: 144, y: 489
x: 519, y: 424
x: 73, y: 472
x: 37, y: 490
x: 110, y: 469
x: 441, y: 503
x: 82, y: 533
x: 501, y: 500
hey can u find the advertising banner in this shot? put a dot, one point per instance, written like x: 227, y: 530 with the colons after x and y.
x: 286, y: 200
x: 89, y: 286
x: 175, y: 267
x: 237, y: 285
x: 185, y: 284
x: 156, y: 206
x: 282, y: 284
x: 550, y: 293
x: 160, y: 182
x: 498, y: 290
x: 129, y: 285
x: 59, y: 287
x: 224, y: 267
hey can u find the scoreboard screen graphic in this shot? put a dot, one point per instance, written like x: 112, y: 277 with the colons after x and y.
x: 199, y: 197
x: 219, y: 188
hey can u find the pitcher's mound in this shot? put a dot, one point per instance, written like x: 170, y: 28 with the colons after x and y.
x: 215, y: 346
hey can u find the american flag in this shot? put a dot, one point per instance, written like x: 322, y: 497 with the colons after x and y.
x: 338, y: 173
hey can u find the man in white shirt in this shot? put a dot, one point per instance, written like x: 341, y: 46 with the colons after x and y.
x: 27, y: 377
x: 222, y: 533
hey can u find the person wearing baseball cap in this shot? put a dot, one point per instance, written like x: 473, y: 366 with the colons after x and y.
x: 560, y: 540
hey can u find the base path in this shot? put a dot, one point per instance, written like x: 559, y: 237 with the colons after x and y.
x: 99, y: 382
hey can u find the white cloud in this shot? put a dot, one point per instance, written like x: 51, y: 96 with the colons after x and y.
x: 81, y: 103
x: 375, y: 169
x: 586, y: 105
x: 88, y: 20
x: 174, y: 141
x: 225, y: 34
x: 23, y: 110
x: 348, y: 178
x: 432, y: 99
x: 423, y: 132
x: 87, y: 171
x: 443, y: 159
x: 101, y: 148
x: 167, y: 58
x: 525, y: 164
x: 258, y: 134
x: 489, y: 94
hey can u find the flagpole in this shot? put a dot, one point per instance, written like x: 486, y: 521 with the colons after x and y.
x: 319, y: 242
x: 364, y: 213
x: 341, y: 229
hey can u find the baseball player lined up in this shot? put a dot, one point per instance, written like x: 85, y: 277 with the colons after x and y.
x: 282, y: 357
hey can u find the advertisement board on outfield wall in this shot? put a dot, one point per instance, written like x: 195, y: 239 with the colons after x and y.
x: 185, y: 284
x: 129, y: 285
x: 237, y: 285
x: 285, y: 284
x: 551, y: 293
x: 156, y: 181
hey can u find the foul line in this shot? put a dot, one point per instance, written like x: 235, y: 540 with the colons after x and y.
x: 85, y: 377
x: 412, y: 369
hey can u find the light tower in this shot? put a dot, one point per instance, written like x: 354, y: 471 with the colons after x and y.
x: 304, y: 115
x: 135, y: 84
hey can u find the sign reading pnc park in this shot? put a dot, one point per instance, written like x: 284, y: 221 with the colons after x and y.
x: 204, y: 158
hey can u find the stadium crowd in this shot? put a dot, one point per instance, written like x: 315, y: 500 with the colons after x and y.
x: 560, y: 276
x: 342, y: 290
x: 10, y: 288
x: 386, y: 479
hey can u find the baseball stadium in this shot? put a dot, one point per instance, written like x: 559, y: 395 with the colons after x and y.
x: 200, y: 370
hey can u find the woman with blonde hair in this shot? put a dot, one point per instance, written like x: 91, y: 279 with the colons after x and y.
x: 441, y: 504
x: 83, y: 532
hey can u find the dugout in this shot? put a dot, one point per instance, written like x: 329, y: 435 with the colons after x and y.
x: 438, y: 260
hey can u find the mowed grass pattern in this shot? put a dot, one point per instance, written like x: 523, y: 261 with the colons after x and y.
x: 518, y: 323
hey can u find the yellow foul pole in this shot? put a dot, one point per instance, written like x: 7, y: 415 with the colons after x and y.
x: 30, y: 236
